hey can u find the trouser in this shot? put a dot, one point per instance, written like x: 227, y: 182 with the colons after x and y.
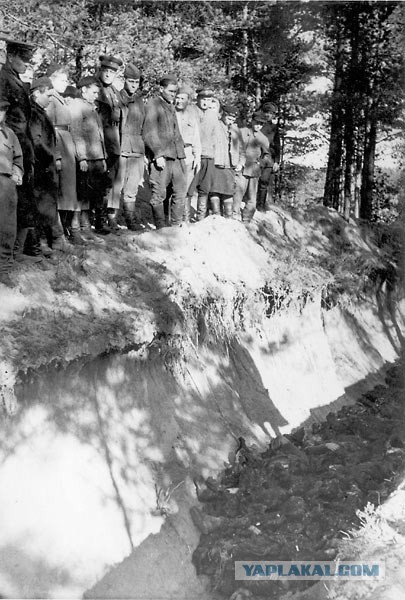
x: 48, y: 220
x: 245, y: 189
x: 202, y: 183
x: 174, y: 173
x: 265, y: 192
x: 8, y: 222
x: 92, y: 185
x: 131, y: 176
x: 112, y: 198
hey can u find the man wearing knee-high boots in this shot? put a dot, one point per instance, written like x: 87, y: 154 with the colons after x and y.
x: 166, y: 150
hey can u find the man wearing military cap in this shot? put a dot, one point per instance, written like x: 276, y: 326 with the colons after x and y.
x: 265, y: 193
x: 132, y: 145
x: 190, y: 132
x: 256, y: 147
x: 110, y: 106
x: 11, y: 174
x: 14, y: 91
x: 208, y: 127
x: 166, y: 151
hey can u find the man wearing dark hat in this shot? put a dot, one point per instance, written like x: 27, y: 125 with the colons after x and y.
x: 229, y: 160
x: 14, y: 91
x: 208, y: 123
x: 132, y: 145
x: 11, y: 175
x: 88, y: 136
x: 45, y: 180
x: 256, y: 147
x: 190, y: 132
x: 265, y: 193
x: 110, y: 106
x: 166, y: 150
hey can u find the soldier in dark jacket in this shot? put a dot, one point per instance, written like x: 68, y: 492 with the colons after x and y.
x: 132, y: 145
x: 14, y: 91
x: 11, y: 175
x: 110, y: 107
x: 265, y: 193
x: 165, y: 145
x: 45, y: 182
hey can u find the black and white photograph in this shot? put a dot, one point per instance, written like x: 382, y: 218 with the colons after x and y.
x: 202, y: 301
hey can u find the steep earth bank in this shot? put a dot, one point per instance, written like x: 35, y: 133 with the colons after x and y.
x: 130, y: 371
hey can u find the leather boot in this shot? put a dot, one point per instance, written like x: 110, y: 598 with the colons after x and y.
x: 187, y: 210
x: 19, y: 255
x: 158, y: 212
x: 227, y: 204
x: 202, y: 205
x: 131, y: 219
x: 247, y: 214
x: 215, y: 205
x: 261, y: 198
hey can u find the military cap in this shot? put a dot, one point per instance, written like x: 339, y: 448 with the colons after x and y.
x: 4, y: 104
x: 167, y: 79
x: 54, y: 68
x: 87, y: 81
x: 23, y: 49
x: 112, y: 62
x: 205, y: 93
x: 230, y: 109
x: 41, y: 82
x: 269, y: 107
x: 71, y: 92
x: 259, y: 117
x: 132, y: 72
x: 185, y: 89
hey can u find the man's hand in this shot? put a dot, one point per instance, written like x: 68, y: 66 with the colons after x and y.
x: 16, y: 178
x: 276, y: 167
x: 160, y: 162
x: 238, y: 168
x: 196, y: 165
x: 84, y: 167
x: 58, y: 164
x: 104, y: 164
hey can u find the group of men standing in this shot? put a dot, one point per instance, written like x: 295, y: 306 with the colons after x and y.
x: 73, y: 157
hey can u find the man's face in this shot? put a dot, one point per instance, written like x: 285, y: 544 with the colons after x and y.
x: 270, y: 116
x: 59, y: 81
x: 90, y: 93
x: 256, y: 126
x: 181, y: 101
x: 228, y: 119
x: 204, y: 103
x: 169, y: 92
x: 107, y: 75
x: 42, y: 97
x: 131, y: 85
x: 18, y: 63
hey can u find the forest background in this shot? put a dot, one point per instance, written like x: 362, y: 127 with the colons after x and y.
x: 335, y: 71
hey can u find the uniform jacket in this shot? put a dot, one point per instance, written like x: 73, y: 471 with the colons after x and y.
x: 256, y: 146
x: 11, y: 159
x: 15, y: 91
x: 59, y: 115
x: 229, y: 149
x: 44, y: 140
x: 208, y: 121
x: 190, y: 132
x: 87, y: 131
x: 110, y: 107
x: 273, y: 135
x: 133, y: 116
x: 161, y: 131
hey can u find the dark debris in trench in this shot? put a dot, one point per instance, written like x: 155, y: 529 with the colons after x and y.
x: 295, y: 501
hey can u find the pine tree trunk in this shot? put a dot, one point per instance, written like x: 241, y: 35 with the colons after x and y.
x: 367, y: 176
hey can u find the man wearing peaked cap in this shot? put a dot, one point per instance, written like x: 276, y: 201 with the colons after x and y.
x: 14, y: 91
x: 132, y: 161
x: 265, y: 192
x: 11, y: 172
x: 110, y: 106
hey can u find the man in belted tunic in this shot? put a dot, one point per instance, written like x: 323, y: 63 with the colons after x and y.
x: 110, y: 107
x: 265, y: 193
x: 166, y: 150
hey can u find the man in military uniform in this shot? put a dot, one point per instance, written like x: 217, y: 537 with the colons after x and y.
x: 166, y: 149
x: 110, y: 106
x: 265, y: 193
x: 132, y: 145
x: 16, y: 93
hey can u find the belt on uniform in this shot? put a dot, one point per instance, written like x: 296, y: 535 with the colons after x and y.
x: 187, y: 145
x: 63, y: 127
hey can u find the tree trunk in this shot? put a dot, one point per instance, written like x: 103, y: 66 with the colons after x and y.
x: 367, y: 176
